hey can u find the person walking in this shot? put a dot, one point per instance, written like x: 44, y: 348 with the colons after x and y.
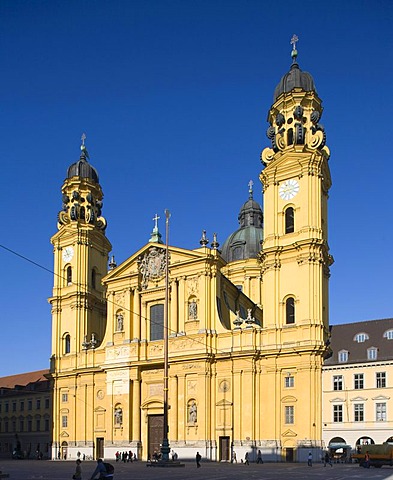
x: 259, y: 457
x: 198, y: 460
x: 309, y: 459
x: 367, y: 460
x: 78, y: 471
x: 246, y: 461
x: 327, y: 459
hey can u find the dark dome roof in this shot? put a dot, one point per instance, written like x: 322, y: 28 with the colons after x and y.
x: 246, y: 241
x: 295, y: 78
x: 82, y: 168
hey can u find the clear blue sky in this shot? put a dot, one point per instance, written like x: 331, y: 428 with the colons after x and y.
x: 173, y: 97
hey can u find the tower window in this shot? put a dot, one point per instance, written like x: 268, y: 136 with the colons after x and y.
x: 69, y: 276
x: 290, y: 311
x: 290, y: 136
x: 157, y: 322
x: 93, y: 278
x: 67, y: 344
x: 289, y: 220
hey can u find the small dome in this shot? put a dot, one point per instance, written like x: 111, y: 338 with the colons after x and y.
x: 295, y: 78
x: 246, y: 241
x: 83, y: 169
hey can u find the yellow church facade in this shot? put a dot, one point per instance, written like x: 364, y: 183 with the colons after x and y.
x: 247, y: 324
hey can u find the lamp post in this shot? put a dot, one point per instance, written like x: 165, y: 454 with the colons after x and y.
x: 165, y: 449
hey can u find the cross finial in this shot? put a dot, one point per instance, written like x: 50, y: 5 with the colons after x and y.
x: 250, y: 185
x: 83, y: 138
x: 294, y: 40
x: 156, y: 218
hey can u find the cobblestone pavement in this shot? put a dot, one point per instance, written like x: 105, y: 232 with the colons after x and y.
x: 63, y: 470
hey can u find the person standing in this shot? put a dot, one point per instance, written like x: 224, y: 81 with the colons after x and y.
x: 259, y: 457
x: 78, y: 471
x: 198, y: 459
x: 367, y: 460
x: 309, y: 459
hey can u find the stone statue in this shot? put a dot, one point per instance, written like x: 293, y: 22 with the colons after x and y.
x: 192, y: 413
x: 192, y: 310
x: 119, y: 326
x: 118, y: 416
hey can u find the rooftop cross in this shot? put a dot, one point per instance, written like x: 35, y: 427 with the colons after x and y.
x: 83, y: 138
x: 156, y: 218
x: 294, y: 40
x: 250, y: 185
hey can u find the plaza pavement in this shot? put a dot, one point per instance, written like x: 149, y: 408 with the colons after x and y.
x: 63, y: 470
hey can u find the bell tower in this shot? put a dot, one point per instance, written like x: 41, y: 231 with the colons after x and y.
x: 80, y: 261
x: 295, y: 257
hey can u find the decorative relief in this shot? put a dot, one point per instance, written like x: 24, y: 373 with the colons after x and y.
x: 100, y: 394
x: 184, y: 344
x: 119, y: 353
x: 152, y: 265
x: 156, y: 349
x: 156, y: 390
x: 120, y: 298
x: 224, y: 386
x: 191, y: 366
x: 191, y: 386
x: 192, y: 286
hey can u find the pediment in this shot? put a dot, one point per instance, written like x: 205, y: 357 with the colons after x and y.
x: 64, y: 434
x: 337, y: 400
x: 224, y: 403
x: 289, y: 399
x: 100, y: 409
x: 179, y: 257
x: 381, y: 397
x: 289, y: 433
x: 358, y: 399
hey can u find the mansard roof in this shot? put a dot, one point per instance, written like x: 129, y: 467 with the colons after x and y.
x: 343, y: 338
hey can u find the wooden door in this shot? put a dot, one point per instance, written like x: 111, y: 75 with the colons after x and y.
x: 224, y: 449
x: 99, y: 448
x: 155, y: 434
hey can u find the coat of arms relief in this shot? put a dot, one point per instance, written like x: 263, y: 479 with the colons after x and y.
x: 152, y: 265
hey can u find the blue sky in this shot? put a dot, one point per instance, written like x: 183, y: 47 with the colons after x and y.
x: 173, y: 97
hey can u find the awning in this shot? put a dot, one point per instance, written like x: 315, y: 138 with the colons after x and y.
x: 339, y: 445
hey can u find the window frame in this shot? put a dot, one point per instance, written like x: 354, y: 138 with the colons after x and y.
x: 338, y: 381
x: 358, y: 381
x: 380, y: 379
x: 338, y: 413
x: 358, y: 412
x: 289, y: 413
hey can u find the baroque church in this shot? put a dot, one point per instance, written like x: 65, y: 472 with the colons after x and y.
x: 246, y: 328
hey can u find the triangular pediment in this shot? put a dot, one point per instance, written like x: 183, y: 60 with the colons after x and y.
x: 358, y: 399
x: 381, y: 397
x: 337, y: 400
x: 64, y: 434
x: 289, y: 433
x: 179, y: 257
x: 99, y: 410
x: 224, y: 403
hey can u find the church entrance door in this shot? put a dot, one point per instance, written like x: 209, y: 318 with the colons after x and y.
x: 225, y: 450
x: 99, y: 448
x: 155, y: 433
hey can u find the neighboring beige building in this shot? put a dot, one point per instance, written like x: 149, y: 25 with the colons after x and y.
x: 26, y: 415
x: 357, y: 386
x: 248, y: 327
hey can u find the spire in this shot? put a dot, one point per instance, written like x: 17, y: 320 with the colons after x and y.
x: 112, y: 263
x: 155, y: 235
x: 204, y: 240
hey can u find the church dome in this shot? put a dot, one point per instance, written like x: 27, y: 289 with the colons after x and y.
x: 295, y: 78
x: 82, y: 168
x: 246, y: 241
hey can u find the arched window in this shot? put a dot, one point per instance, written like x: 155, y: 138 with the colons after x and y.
x: 67, y: 344
x: 69, y: 276
x: 93, y: 278
x: 157, y: 322
x: 290, y: 136
x: 289, y: 220
x: 290, y: 311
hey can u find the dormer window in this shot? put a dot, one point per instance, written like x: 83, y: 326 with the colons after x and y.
x: 343, y: 356
x: 361, y: 337
x: 388, y: 334
x: 372, y: 353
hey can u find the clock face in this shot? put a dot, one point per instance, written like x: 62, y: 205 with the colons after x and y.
x: 68, y: 253
x: 289, y: 189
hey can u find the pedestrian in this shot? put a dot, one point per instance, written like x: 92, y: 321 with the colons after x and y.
x: 246, y: 462
x: 234, y: 458
x: 309, y: 459
x: 78, y: 471
x: 101, y: 469
x: 327, y: 459
x: 259, y: 457
x: 198, y: 459
x: 367, y: 460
